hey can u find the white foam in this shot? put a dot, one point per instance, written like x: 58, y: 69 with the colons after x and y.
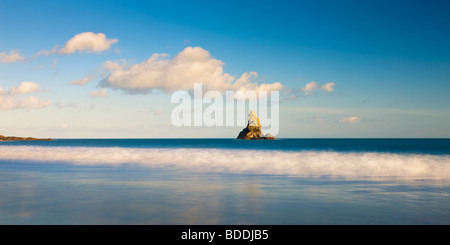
x: 308, y: 163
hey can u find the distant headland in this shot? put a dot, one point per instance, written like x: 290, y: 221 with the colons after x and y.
x: 14, y: 138
x: 253, y: 130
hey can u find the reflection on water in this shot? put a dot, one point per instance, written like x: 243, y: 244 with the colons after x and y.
x: 38, y: 193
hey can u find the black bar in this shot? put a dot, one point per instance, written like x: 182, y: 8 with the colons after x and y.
x: 225, y: 234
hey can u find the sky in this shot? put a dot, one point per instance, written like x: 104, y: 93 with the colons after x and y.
x: 108, y: 69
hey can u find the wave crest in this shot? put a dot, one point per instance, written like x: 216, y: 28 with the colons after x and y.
x: 307, y: 163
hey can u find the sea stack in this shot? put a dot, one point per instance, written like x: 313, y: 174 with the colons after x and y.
x: 253, y: 130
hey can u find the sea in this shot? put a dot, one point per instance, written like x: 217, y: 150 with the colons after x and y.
x: 225, y: 182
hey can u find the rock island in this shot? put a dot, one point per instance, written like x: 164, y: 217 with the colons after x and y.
x: 253, y: 130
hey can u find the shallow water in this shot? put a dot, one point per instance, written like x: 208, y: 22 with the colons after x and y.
x: 117, y: 182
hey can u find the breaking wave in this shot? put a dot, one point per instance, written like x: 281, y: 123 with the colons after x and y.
x: 305, y: 163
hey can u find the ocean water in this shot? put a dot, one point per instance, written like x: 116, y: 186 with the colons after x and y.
x: 225, y: 181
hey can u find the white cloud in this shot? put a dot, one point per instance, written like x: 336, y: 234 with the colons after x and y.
x: 312, y: 87
x: 24, y: 88
x: 83, y: 42
x: 12, y: 56
x: 192, y: 65
x: 28, y: 103
x: 329, y: 87
x: 12, y: 99
x: 98, y: 94
x: 351, y: 119
x: 89, y: 42
x: 81, y: 81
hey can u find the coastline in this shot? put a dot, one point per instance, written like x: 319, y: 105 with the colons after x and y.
x: 14, y: 138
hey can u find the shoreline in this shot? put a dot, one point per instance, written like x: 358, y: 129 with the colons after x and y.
x: 14, y: 138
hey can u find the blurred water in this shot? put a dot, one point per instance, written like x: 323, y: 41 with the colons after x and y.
x: 62, y: 189
x: 422, y: 146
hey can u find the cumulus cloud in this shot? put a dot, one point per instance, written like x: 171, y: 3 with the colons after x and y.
x: 98, y: 94
x: 89, y: 42
x: 351, y: 119
x: 12, y: 56
x: 192, y: 65
x: 312, y: 87
x: 28, y: 103
x: 309, y: 88
x: 12, y: 99
x: 84, y: 42
x: 24, y: 88
x: 329, y: 87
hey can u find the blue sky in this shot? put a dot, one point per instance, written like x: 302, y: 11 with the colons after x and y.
x: 389, y: 62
